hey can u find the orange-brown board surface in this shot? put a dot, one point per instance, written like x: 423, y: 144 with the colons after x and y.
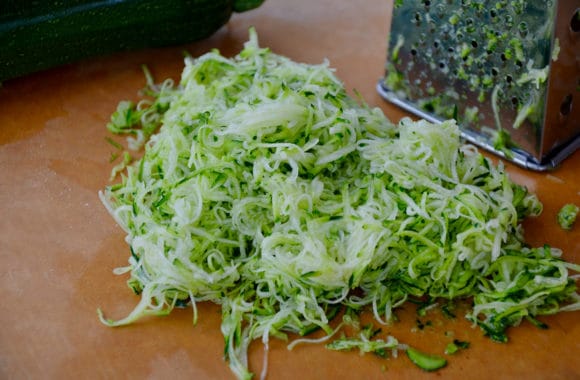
x: 59, y: 246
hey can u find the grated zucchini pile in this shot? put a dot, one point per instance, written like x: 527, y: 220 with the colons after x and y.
x: 270, y: 191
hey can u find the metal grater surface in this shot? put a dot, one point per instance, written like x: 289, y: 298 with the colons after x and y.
x: 507, y: 71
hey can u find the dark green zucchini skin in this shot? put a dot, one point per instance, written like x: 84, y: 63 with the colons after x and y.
x: 40, y: 34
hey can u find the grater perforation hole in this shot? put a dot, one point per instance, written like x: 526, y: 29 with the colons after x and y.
x: 470, y: 25
x: 523, y: 28
x: 417, y: 18
x: 509, y: 21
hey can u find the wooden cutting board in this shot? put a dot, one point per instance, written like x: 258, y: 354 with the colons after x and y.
x: 58, y: 245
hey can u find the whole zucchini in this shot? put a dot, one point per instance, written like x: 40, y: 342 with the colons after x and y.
x: 36, y: 35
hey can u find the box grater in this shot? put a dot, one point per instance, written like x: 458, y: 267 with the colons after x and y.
x: 507, y: 71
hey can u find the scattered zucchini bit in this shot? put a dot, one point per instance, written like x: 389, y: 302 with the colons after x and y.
x: 421, y: 325
x: 455, y: 346
x: 425, y: 361
x: 567, y: 216
x: 365, y: 343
